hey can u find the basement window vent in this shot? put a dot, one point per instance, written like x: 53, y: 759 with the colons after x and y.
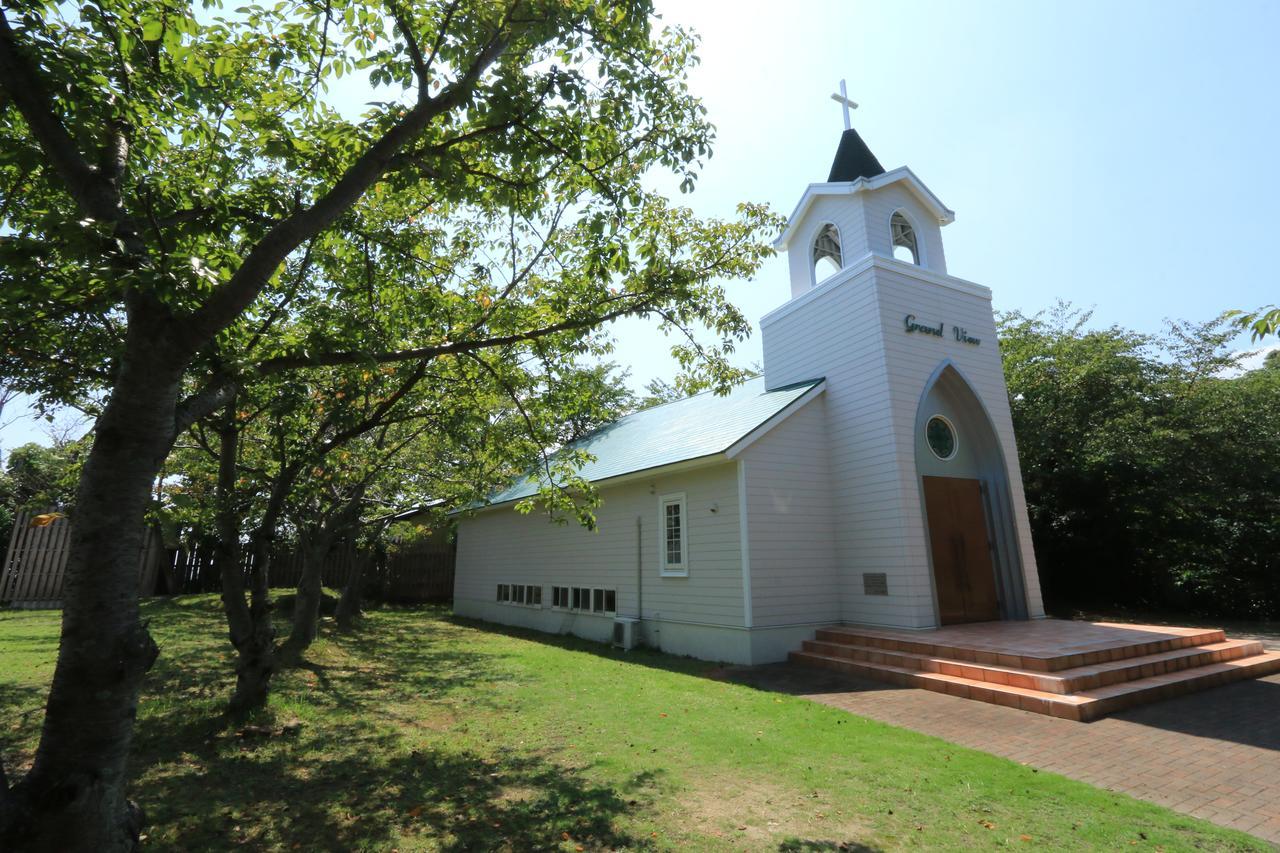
x: 875, y: 583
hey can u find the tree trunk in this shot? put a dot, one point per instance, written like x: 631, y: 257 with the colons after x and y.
x: 306, y: 603
x: 255, y: 643
x: 349, y: 606
x: 74, y: 797
x: 248, y: 622
x: 252, y: 631
x: 316, y: 546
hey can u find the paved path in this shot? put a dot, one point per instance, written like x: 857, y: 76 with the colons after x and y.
x: 1214, y: 754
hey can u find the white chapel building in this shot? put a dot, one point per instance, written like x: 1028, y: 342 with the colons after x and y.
x: 869, y: 477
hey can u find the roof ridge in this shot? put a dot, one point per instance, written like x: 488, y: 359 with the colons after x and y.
x: 814, y: 381
x: 629, y: 415
x: 692, y: 396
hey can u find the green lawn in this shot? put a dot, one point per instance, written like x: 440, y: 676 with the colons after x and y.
x: 426, y: 732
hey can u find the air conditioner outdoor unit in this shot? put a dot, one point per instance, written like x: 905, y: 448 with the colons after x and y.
x: 624, y: 633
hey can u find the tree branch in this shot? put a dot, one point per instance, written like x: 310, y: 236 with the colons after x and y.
x: 96, y: 196
x: 442, y: 32
x: 304, y: 267
x: 203, y: 403
x: 420, y: 68
x: 528, y: 421
x: 232, y: 298
x: 291, y: 362
x: 374, y: 420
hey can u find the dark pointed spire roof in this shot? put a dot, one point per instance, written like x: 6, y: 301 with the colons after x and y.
x: 853, y: 160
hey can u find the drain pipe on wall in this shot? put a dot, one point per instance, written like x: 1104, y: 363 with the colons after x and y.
x: 640, y: 578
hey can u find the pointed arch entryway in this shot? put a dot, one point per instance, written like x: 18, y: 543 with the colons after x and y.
x: 967, y: 505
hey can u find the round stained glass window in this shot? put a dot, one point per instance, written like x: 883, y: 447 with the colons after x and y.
x: 941, y: 437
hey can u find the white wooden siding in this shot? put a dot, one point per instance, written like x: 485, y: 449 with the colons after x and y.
x: 502, y: 546
x: 912, y: 359
x: 837, y: 333
x: 790, y: 522
x: 852, y: 333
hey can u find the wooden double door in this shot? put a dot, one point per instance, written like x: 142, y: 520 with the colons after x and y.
x: 963, y: 572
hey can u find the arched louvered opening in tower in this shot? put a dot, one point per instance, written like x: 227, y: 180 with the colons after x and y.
x: 905, y: 245
x: 827, y: 259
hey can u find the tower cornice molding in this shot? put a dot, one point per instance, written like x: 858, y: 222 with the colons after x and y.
x: 902, y: 175
x: 873, y: 261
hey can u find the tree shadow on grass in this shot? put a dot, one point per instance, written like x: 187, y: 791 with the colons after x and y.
x: 422, y: 658
x: 347, y: 777
x: 343, y: 778
x: 351, y: 789
x: 21, y: 716
x: 370, y: 672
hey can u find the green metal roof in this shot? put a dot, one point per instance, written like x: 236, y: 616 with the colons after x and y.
x: 701, y: 425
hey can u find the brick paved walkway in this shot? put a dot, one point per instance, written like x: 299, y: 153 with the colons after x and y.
x: 1214, y: 755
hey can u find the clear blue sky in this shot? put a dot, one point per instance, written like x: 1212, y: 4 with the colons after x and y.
x: 1122, y: 156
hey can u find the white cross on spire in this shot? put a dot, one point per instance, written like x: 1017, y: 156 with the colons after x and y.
x: 843, y: 100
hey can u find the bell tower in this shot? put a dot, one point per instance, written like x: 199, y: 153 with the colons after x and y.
x: 915, y: 398
x: 862, y: 210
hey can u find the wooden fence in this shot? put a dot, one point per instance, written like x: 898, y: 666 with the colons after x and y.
x: 190, y: 570
x: 420, y: 573
x: 36, y: 561
x: 37, y: 557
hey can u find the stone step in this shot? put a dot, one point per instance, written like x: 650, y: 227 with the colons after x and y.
x: 1083, y: 706
x: 1061, y: 657
x: 1038, y: 701
x: 1061, y: 682
x: 1117, y: 697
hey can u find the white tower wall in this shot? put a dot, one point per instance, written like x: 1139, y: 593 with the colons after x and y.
x: 851, y: 331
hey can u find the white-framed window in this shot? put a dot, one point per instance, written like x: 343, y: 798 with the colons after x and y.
x: 524, y: 594
x: 673, y: 526
x: 585, y: 599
